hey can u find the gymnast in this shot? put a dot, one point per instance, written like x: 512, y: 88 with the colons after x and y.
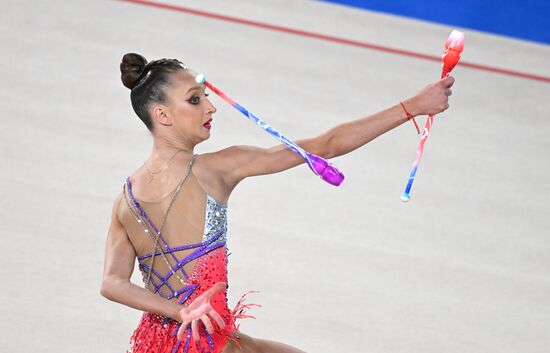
x: 172, y: 211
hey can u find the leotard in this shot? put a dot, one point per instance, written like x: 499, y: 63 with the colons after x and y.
x: 156, y: 333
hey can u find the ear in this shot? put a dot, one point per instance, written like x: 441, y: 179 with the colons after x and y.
x: 159, y: 113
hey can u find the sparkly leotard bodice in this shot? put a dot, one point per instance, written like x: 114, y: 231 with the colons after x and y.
x: 214, y: 237
x: 209, y: 268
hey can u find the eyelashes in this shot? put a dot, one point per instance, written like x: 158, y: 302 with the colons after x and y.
x: 195, y: 99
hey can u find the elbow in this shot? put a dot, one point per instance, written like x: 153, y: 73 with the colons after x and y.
x: 329, y: 147
x: 106, y: 290
x: 113, y: 288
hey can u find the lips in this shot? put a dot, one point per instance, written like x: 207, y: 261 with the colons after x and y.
x: 207, y: 124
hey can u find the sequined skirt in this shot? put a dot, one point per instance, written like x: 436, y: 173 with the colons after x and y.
x: 157, y: 334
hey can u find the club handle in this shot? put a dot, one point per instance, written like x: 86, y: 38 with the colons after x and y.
x: 320, y: 166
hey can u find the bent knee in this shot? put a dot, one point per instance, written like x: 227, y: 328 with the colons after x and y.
x: 250, y: 344
x: 247, y: 344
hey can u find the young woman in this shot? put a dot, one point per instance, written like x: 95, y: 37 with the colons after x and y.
x: 171, y: 213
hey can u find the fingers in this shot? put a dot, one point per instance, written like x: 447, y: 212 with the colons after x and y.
x: 217, y: 318
x: 181, y: 331
x: 448, y: 81
x: 195, y: 331
x: 195, y: 334
x: 199, y: 309
x: 208, y: 324
x: 447, y: 91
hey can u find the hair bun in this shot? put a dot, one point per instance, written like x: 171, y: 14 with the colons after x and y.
x: 131, y: 69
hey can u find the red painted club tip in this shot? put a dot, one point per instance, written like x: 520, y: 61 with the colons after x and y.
x: 455, y: 41
x: 453, y: 48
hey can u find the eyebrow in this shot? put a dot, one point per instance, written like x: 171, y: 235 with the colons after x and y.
x: 194, y: 88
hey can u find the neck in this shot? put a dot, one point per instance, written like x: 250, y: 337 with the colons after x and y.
x: 163, y: 148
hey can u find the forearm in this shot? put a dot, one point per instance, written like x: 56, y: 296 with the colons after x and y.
x: 351, y: 135
x: 127, y: 293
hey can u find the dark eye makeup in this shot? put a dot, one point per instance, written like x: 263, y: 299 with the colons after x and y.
x: 195, y: 99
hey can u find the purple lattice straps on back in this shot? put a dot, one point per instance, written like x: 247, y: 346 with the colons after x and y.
x: 204, y: 247
x: 144, y: 214
x: 145, y: 267
x: 185, y: 247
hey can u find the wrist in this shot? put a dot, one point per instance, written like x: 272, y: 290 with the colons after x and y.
x: 408, y: 114
x: 174, y: 311
x: 411, y: 106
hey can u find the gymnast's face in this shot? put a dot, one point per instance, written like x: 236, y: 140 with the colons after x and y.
x: 187, y: 108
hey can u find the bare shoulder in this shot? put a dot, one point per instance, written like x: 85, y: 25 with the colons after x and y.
x: 212, y: 160
x: 224, y: 168
x: 235, y: 163
x: 214, y: 170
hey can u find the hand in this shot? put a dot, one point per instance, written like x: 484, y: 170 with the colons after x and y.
x: 201, y: 309
x: 432, y: 99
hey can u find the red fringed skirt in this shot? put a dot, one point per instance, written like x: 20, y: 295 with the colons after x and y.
x: 157, y: 334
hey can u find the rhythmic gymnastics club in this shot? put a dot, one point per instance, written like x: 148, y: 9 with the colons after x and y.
x: 450, y: 57
x: 318, y: 165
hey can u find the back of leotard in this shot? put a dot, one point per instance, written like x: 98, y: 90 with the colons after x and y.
x: 190, y: 256
x: 192, y: 220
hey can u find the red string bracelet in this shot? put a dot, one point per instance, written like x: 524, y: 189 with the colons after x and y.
x: 410, y: 117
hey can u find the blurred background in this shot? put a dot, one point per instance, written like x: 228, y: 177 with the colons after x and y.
x: 463, y: 267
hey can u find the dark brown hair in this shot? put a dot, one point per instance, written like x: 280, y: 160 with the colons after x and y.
x: 147, y: 82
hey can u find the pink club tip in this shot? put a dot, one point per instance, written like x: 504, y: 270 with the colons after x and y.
x: 455, y: 41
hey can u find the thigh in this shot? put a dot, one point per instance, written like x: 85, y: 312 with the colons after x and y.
x: 257, y: 345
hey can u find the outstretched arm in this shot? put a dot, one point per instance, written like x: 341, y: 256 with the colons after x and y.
x: 238, y: 162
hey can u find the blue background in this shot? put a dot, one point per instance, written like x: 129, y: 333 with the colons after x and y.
x: 528, y: 19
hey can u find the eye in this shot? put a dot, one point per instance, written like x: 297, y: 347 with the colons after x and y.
x: 194, y: 100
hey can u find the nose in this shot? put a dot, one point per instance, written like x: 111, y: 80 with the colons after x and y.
x: 211, y: 108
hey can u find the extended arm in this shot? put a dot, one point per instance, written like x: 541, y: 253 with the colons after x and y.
x: 118, y: 267
x: 238, y: 162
